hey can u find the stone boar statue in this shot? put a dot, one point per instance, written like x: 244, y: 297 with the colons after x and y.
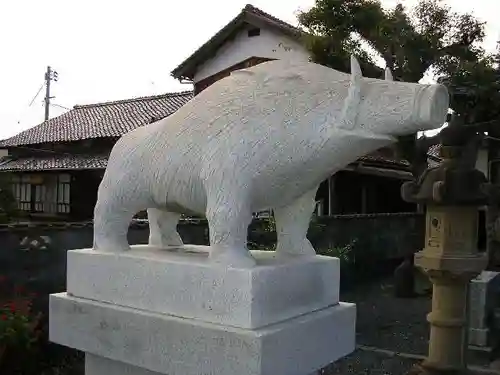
x: 261, y: 138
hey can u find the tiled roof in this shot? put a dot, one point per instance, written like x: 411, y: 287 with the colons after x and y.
x: 53, y: 162
x: 75, y: 162
x: 248, y: 15
x: 384, y: 160
x: 110, y: 119
x: 434, y: 151
x: 433, y: 160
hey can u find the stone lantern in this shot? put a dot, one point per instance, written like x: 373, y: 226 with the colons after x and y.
x: 452, y: 194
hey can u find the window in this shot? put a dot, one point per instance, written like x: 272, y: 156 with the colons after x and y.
x: 253, y: 32
x: 48, y: 193
x: 22, y: 191
x: 39, y: 197
x: 63, y: 187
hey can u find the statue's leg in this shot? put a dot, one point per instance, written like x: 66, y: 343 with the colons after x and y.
x: 228, y: 221
x: 163, y: 228
x: 112, y: 218
x: 292, y: 223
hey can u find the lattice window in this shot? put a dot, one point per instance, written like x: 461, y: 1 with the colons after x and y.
x: 63, y: 193
x: 40, y: 193
x: 22, y: 191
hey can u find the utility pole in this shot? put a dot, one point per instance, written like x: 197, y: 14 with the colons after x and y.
x: 49, y: 76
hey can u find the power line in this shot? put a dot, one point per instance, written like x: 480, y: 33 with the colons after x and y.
x: 32, y: 101
x: 38, y: 92
x: 60, y: 106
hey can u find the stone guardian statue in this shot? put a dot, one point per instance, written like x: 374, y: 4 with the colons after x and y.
x: 263, y: 138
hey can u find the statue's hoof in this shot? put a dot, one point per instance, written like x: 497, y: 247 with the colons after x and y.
x: 232, y: 258
x: 306, y: 250
x: 112, y: 248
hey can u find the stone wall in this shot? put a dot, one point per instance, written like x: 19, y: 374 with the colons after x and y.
x: 35, y: 255
x: 375, y: 236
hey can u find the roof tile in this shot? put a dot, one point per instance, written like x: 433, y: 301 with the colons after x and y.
x: 110, y: 119
x: 434, y: 151
x: 53, y: 162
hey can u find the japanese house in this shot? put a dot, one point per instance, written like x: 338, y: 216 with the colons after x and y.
x: 56, y: 167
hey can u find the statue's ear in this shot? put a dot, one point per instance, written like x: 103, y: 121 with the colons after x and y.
x: 356, y: 73
x: 351, y: 103
x: 388, y: 75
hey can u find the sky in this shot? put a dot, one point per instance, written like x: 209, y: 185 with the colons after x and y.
x: 109, y: 50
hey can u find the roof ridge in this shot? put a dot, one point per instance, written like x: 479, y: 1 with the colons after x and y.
x: 133, y: 100
x: 260, y: 13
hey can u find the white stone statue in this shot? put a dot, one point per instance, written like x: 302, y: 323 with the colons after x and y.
x: 262, y: 138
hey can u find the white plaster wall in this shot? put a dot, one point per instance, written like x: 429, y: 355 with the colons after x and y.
x: 268, y: 44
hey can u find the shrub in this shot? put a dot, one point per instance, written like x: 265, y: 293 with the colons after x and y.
x: 19, y: 329
x: 345, y: 253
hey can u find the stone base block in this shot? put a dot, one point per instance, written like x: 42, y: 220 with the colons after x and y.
x: 479, y: 336
x: 95, y: 365
x: 157, y: 343
x: 483, y: 294
x: 182, y: 282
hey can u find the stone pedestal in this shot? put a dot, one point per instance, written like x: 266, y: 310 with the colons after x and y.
x: 483, y: 292
x: 151, y: 311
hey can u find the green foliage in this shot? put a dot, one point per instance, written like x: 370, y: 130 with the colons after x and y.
x: 330, y: 24
x: 345, y: 253
x: 269, y: 224
x: 475, y: 88
x: 410, y: 41
x: 264, y: 247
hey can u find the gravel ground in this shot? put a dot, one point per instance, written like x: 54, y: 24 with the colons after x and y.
x: 393, y: 324
x: 387, y: 322
x: 363, y: 362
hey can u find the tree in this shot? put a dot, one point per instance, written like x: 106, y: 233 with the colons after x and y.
x: 475, y: 89
x: 330, y: 26
x: 430, y: 36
